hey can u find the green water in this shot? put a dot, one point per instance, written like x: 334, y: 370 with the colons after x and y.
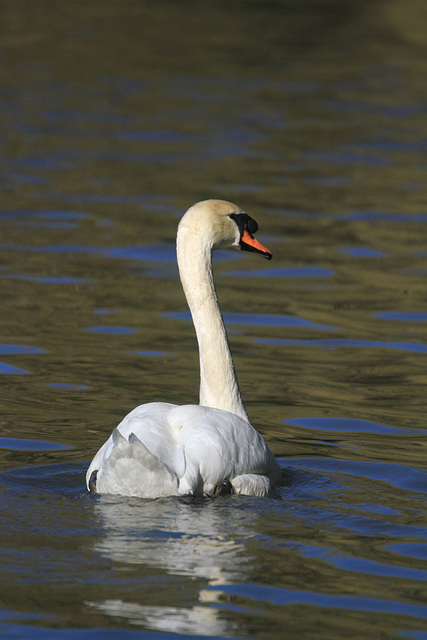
x: 311, y: 116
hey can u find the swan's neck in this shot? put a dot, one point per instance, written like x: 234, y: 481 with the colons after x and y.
x: 218, y: 382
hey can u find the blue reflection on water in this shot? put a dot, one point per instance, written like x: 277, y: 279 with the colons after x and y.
x: 48, y: 216
x: 410, y: 549
x: 338, y: 343
x: 402, y: 316
x: 352, y: 425
x: 153, y: 354
x: 347, y: 157
x: 16, y: 349
x: 303, y: 271
x: 105, y: 312
x: 59, y: 385
x: 55, y: 162
x: 152, y: 136
x: 363, y: 252
x: 112, y: 330
x: 395, y: 145
x: 13, y: 630
x: 383, y: 216
x: 9, y: 369
x: 46, y: 279
x: 280, y: 596
x: 22, y: 444
x: 26, y: 179
x: 19, y: 349
x: 398, y: 475
x: 329, y: 181
x: 63, y: 478
x: 259, y: 320
x: 150, y: 253
x: 361, y: 565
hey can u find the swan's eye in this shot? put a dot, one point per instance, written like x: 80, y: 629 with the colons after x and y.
x: 244, y: 222
x: 251, y: 226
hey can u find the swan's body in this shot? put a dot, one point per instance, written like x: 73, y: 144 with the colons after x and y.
x: 162, y: 449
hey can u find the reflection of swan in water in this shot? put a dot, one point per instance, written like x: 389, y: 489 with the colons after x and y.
x: 161, y: 449
x: 203, y: 541
x: 197, y: 621
x: 177, y: 536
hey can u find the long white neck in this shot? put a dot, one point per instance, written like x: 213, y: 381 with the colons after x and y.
x: 218, y: 382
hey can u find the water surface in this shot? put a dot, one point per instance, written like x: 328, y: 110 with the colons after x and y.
x: 116, y: 118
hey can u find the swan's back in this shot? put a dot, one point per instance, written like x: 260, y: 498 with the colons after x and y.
x: 161, y: 449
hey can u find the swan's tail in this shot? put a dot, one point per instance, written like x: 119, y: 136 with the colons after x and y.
x: 132, y: 470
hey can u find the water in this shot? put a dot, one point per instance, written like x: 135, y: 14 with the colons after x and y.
x: 117, y: 117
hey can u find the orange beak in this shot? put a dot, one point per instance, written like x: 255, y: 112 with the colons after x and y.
x: 249, y: 243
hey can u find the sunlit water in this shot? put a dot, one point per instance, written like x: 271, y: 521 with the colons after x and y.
x: 115, y: 118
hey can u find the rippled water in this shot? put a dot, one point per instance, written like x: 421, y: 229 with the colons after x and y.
x: 117, y: 117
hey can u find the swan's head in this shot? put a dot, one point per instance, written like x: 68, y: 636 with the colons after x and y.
x: 223, y: 225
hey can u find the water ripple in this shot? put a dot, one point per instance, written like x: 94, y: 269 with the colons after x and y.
x: 402, y: 316
x: 10, y: 370
x: 350, y: 425
x: 259, y: 320
x: 280, y: 596
x: 22, y: 444
x: 399, y: 475
x: 19, y: 349
x: 340, y: 343
x: 113, y: 330
x: 363, y: 252
x: 303, y: 271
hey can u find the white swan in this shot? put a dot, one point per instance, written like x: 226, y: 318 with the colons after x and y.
x: 162, y: 449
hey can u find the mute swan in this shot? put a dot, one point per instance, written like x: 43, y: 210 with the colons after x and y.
x: 162, y: 449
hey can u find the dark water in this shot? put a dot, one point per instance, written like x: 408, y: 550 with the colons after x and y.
x: 115, y: 118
